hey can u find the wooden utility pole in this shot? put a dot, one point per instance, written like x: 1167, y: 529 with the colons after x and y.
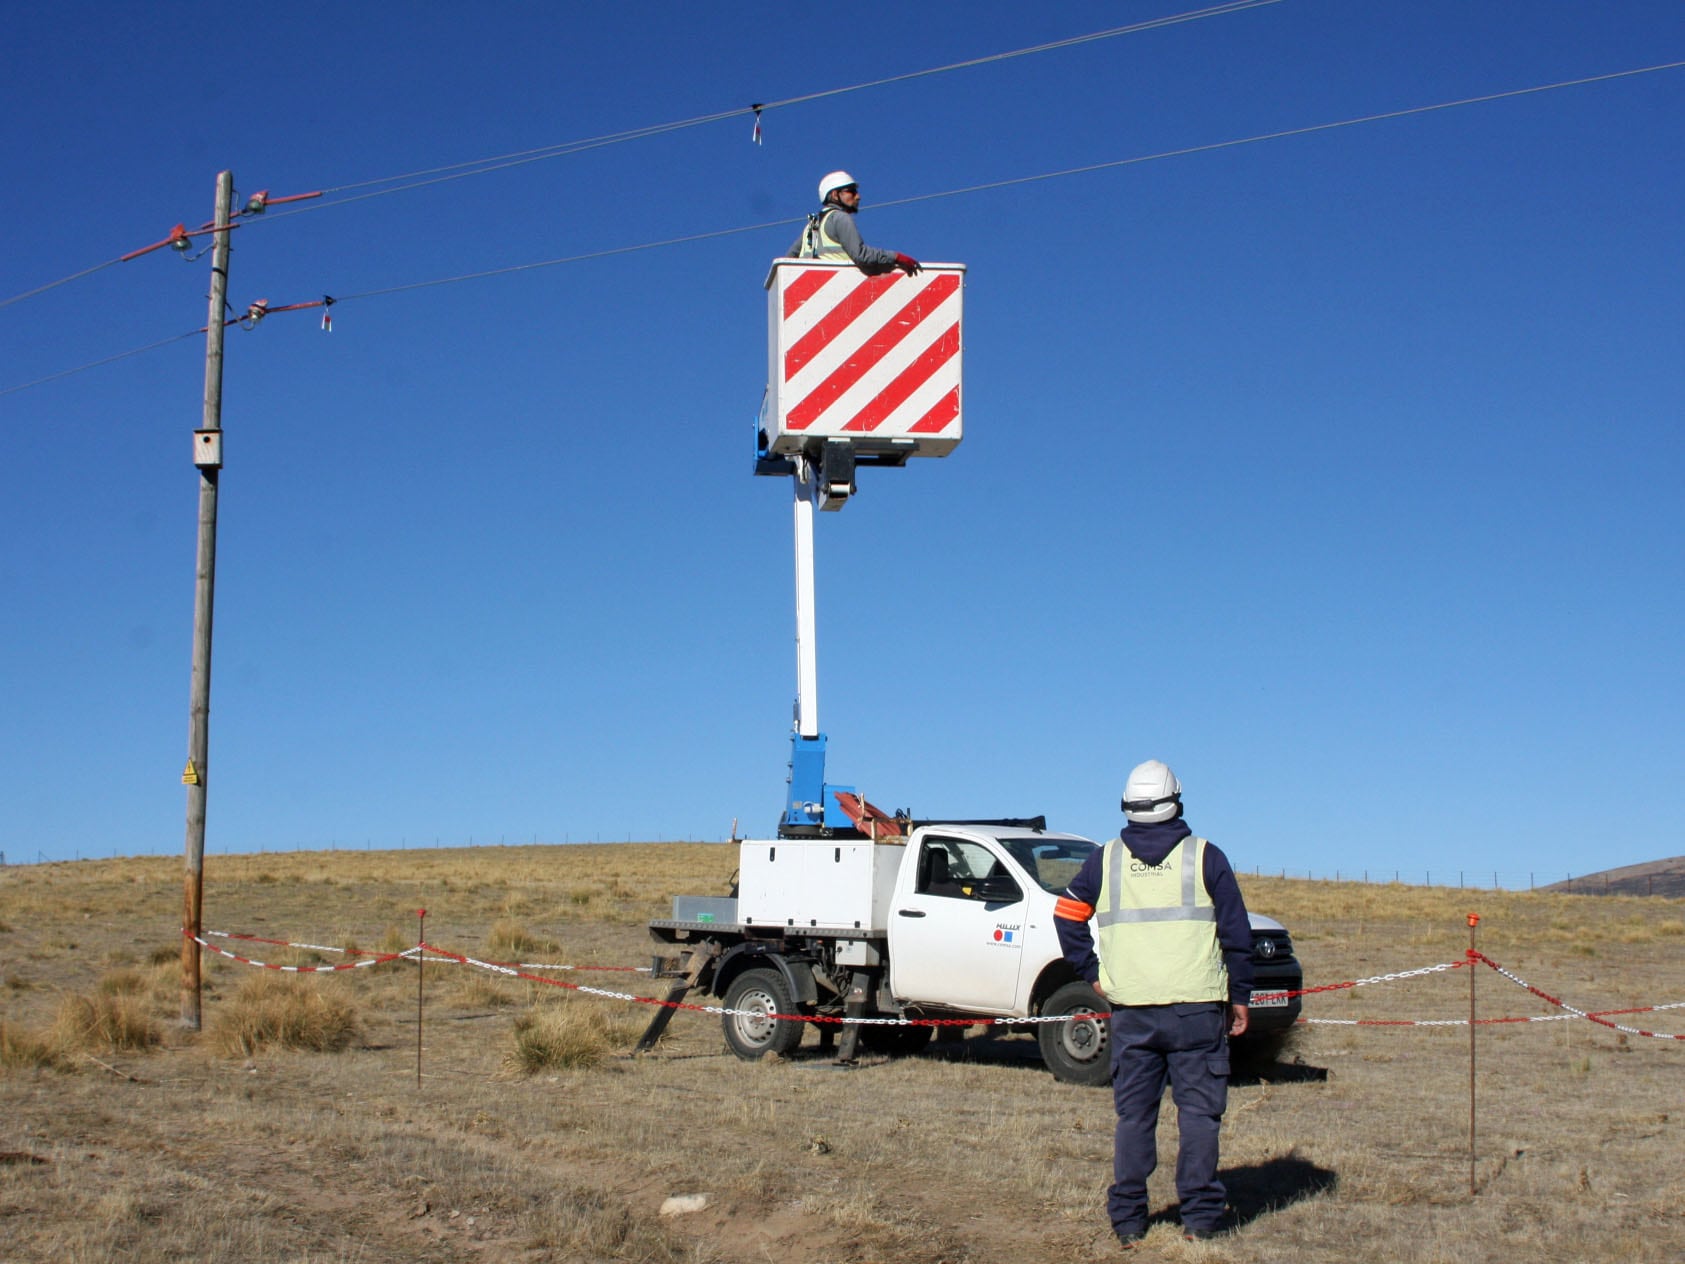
x: 207, y: 456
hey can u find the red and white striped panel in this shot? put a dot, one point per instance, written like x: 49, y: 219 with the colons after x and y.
x: 870, y: 358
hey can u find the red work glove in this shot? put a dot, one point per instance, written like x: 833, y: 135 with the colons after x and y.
x: 907, y: 264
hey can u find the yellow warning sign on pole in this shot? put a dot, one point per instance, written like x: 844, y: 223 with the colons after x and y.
x: 190, y: 775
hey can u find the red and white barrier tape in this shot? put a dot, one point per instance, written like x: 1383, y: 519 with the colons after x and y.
x: 522, y: 971
x: 374, y: 959
x: 1357, y: 983
x: 517, y: 972
x: 281, y: 943
x: 413, y: 954
x: 1599, y: 1018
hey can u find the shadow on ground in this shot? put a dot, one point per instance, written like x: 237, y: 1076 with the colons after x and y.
x: 1256, y: 1189
x: 1247, y: 1076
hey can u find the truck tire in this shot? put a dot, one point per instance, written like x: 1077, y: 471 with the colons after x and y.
x: 752, y: 1033
x: 895, y: 1042
x: 1077, y: 1051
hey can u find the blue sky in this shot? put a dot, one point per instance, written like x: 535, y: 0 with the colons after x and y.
x: 1338, y: 470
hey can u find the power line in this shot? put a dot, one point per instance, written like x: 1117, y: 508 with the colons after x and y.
x: 1046, y: 175
x: 580, y: 258
x: 1152, y: 24
x: 927, y: 197
x: 1285, y: 133
x: 482, y: 166
x: 74, y: 276
x: 83, y: 368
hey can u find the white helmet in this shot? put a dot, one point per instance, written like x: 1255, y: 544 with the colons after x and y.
x: 1152, y: 793
x: 831, y: 183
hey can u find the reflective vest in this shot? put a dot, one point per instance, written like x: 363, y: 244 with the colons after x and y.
x: 818, y: 244
x: 1157, y: 928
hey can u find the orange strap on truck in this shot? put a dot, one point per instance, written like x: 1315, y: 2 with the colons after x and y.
x: 870, y: 820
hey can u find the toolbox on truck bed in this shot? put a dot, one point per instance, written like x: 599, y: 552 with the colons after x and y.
x: 811, y: 884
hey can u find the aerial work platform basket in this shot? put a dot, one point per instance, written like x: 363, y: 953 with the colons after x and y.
x: 874, y: 360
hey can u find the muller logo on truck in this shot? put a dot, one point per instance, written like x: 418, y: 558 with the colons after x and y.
x: 875, y: 359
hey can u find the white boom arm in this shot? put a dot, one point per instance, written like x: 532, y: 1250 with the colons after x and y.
x: 807, y: 650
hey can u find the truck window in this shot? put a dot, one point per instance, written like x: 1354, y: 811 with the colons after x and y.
x: 1052, y: 862
x: 955, y: 867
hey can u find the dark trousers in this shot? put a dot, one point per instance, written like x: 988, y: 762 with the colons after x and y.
x: 1188, y: 1044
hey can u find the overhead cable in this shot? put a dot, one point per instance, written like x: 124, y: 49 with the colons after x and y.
x: 82, y: 368
x: 1152, y: 24
x: 1283, y: 134
x: 1046, y: 175
x: 481, y: 166
x: 930, y: 197
x: 74, y: 276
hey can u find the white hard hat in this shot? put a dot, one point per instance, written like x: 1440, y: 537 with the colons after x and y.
x: 836, y: 180
x: 1152, y: 793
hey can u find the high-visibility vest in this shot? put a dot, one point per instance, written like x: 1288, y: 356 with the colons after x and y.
x: 817, y: 243
x: 1157, y: 927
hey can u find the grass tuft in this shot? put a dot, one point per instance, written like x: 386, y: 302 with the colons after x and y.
x: 587, y: 1224
x: 269, y: 1010
x: 106, y: 1022
x: 577, y: 1037
x: 123, y: 983
x: 22, y: 1049
x: 478, y: 991
x: 510, y: 940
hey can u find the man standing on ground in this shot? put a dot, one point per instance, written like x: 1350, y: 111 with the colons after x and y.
x: 831, y: 233
x: 1174, y: 958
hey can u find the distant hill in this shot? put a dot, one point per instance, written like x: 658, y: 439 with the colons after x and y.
x: 1653, y: 877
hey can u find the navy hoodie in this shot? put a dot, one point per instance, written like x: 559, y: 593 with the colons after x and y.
x: 1151, y: 843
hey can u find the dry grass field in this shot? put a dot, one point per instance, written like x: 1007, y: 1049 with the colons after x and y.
x: 293, y: 1127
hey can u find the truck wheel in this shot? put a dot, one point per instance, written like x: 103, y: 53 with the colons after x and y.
x: 895, y: 1042
x: 752, y: 1032
x: 1076, y: 1051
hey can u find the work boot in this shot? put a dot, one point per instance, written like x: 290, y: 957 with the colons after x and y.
x: 1127, y: 1241
x: 1203, y: 1233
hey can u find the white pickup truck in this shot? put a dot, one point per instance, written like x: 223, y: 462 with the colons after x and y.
x: 955, y: 921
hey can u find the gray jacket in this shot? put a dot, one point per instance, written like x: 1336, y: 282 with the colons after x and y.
x: 839, y: 224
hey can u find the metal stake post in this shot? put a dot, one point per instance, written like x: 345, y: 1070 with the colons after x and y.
x: 197, y: 774
x: 420, y: 970
x: 1474, y: 921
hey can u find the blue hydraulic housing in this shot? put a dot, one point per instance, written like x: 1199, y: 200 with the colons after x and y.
x: 812, y: 804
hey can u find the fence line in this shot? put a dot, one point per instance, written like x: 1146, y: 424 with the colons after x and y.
x: 1667, y: 885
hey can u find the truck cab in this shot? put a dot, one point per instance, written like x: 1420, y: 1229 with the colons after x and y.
x: 971, y: 922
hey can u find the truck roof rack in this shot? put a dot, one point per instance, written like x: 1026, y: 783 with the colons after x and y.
x: 1036, y: 823
x: 909, y: 824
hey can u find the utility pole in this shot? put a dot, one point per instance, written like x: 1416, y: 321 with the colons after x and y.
x: 207, y: 456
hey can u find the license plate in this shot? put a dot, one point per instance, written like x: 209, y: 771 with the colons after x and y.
x: 1270, y: 1000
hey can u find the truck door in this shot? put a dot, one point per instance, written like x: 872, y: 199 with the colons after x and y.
x: 952, y: 939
